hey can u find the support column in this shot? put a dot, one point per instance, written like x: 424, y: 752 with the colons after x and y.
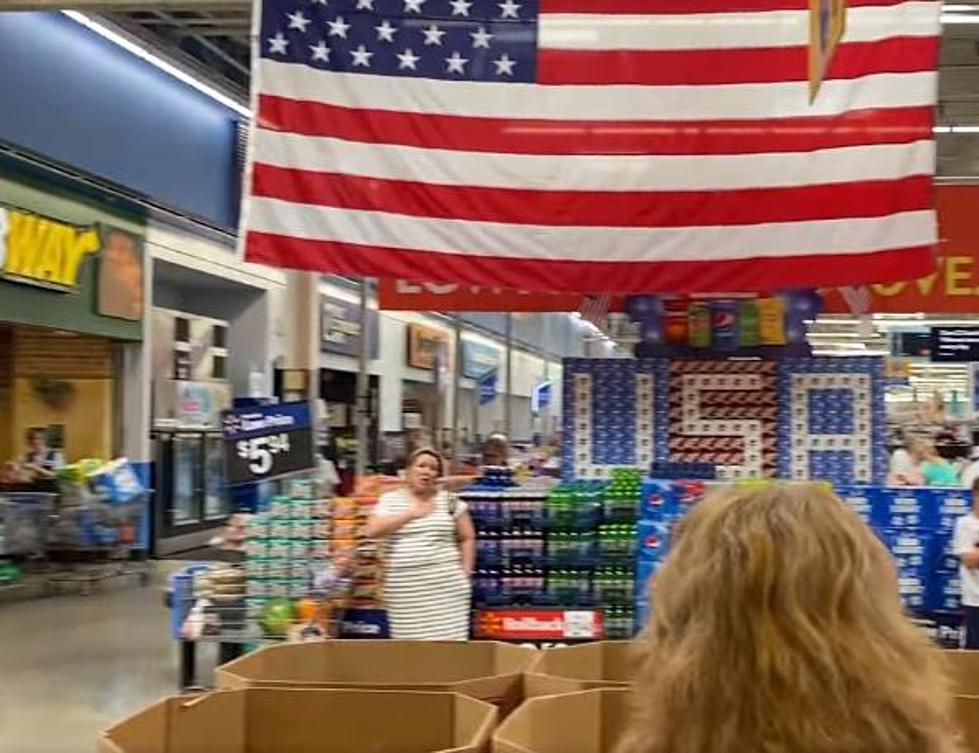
x: 303, y: 296
x: 507, y: 405
x: 456, y: 389
x: 363, y: 382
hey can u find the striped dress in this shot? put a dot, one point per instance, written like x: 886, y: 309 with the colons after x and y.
x: 426, y: 592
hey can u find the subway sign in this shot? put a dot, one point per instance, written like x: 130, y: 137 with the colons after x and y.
x: 41, y: 251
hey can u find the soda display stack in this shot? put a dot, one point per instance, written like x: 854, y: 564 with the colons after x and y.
x: 570, y: 546
x: 915, y: 524
x: 298, y: 536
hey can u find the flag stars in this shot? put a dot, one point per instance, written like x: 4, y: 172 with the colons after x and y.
x: 504, y: 65
x: 460, y: 7
x: 481, y: 38
x: 320, y: 52
x: 433, y: 35
x: 509, y: 9
x: 413, y: 6
x: 361, y: 57
x: 298, y: 21
x: 385, y: 32
x: 278, y: 45
x: 338, y: 27
x: 456, y: 64
x: 365, y: 5
x: 408, y: 60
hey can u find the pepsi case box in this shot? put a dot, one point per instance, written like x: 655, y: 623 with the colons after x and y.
x: 911, y: 550
x: 660, y: 499
x: 860, y: 499
x: 944, y: 558
x: 911, y: 587
x: 952, y: 505
x: 641, y: 613
x: 905, y: 508
x: 654, y: 538
x: 944, y: 593
x: 646, y: 569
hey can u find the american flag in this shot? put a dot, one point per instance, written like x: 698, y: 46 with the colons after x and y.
x: 593, y: 145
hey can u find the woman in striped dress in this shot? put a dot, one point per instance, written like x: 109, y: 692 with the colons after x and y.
x: 429, y: 553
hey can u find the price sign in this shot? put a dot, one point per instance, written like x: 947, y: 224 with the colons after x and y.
x: 267, y: 442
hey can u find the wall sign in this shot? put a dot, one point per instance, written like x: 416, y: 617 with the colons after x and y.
x: 487, y: 387
x: 265, y: 442
x: 478, y: 358
x: 955, y: 344
x: 423, y: 345
x: 41, y: 251
x: 541, y: 397
x: 121, y: 275
x: 341, y: 329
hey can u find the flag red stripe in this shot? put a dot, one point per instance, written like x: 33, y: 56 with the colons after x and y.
x: 540, y: 136
x: 688, y: 7
x: 595, y: 208
x: 737, y: 66
x: 562, y: 275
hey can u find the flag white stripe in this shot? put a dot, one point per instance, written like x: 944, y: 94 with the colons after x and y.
x: 586, y: 102
x: 851, y: 236
x: 595, y: 172
x: 713, y: 31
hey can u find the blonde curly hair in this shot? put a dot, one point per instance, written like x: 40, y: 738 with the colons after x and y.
x: 777, y: 628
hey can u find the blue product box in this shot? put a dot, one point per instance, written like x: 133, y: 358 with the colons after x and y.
x: 944, y: 559
x: 912, y: 551
x: 860, y: 499
x: 654, y: 538
x: 952, y: 505
x: 646, y: 569
x: 911, y: 507
x: 659, y: 499
x: 912, y: 587
x: 944, y: 593
x: 641, y: 612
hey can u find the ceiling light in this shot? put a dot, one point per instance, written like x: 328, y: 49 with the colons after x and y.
x: 954, y: 18
x: 143, y: 54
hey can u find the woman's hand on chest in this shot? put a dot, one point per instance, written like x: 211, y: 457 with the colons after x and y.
x: 421, y: 507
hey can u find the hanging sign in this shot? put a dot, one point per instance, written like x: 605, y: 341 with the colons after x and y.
x: 265, y: 442
x: 487, y: 387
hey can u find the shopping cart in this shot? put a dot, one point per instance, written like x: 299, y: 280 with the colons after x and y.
x: 25, y: 519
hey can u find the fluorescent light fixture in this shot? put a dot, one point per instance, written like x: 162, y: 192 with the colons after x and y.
x: 957, y: 128
x: 954, y: 18
x: 949, y: 8
x: 143, y: 54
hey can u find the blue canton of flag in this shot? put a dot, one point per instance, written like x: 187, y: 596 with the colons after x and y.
x: 470, y: 40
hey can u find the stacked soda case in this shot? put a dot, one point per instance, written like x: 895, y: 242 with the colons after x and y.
x: 300, y: 535
x: 916, y: 525
x: 570, y: 546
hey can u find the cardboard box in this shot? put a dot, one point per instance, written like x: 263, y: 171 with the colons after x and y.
x: 602, y: 664
x: 300, y: 721
x: 586, y: 722
x: 967, y: 715
x: 963, y: 671
x: 486, y: 670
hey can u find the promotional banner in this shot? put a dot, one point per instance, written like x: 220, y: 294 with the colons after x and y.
x: 953, y: 287
x: 487, y: 387
x: 477, y: 359
x: 341, y: 329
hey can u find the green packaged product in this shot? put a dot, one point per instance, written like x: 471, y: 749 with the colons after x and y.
x: 699, y: 330
x: 748, y: 327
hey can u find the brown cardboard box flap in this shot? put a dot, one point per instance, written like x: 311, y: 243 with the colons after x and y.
x: 967, y: 716
x: 297, y: 720
x: 602, y: 664
x: 963, y: 670
x: 586, y: 722
x: 485, y: 670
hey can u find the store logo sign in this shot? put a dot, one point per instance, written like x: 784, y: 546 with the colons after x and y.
x: 41, y: 251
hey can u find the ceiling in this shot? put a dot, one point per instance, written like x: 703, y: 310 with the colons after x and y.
x: 211, y: 39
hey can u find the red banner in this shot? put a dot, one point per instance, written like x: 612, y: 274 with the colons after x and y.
x: 401, y: 295
x: 538, y: 624
x: 953, y: 288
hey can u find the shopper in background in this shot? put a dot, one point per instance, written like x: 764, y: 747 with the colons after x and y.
x: 776, y: 626
x: 966, y: 547
x: 496, y: 450
x: 430, y: 551
x: 41, y: 459
x: 935, y: 469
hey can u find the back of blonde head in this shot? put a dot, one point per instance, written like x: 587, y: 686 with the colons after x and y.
x: 777, y: 628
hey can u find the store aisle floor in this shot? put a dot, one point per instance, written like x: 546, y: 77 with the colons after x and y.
x: 70, y: 665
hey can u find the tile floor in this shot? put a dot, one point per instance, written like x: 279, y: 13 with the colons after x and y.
x: 70, y: 665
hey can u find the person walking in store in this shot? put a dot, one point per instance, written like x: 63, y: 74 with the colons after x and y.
x: 776, y: 626
x: 935, y: 469
x: 429, y: 553
x: 965, y: 544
